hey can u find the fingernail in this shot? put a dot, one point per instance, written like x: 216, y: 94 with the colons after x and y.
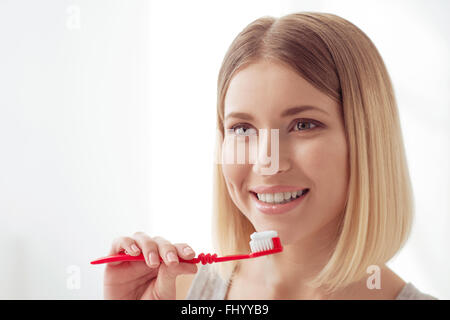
x: 154, y: 259
x: 135, y: 248
x: 188, y: 251
x: 172, y: 257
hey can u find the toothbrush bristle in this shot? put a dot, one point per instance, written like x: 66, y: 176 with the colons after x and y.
x: 262, y: 241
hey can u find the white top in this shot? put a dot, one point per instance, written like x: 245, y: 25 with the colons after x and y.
x: 207, y: 285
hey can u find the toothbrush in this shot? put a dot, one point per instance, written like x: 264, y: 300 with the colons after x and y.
x: 262, y: 243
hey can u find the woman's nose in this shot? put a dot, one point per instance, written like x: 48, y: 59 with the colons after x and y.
x: 275, y: 162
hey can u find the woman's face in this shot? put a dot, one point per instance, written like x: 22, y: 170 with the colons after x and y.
x: 312, y: 151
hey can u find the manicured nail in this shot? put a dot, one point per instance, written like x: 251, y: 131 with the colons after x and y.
x: 172, y: 257
x: 154, y: 259
x: 135, y: 248
x: 187, y: 251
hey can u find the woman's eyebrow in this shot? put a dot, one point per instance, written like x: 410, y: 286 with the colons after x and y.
x: 289, y: 112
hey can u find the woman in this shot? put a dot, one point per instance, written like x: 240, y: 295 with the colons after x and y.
x: 321, y: 83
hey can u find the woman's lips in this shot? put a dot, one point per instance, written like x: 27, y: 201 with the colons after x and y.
x: 275, y: 189
x: 273, y: 208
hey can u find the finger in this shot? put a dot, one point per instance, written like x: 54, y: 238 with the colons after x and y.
x: 126, y: 244
x: 170, y: 273
x: 165, y: 284
x: 167, y: 251
x: 184, y: 251
x: 149, y: 249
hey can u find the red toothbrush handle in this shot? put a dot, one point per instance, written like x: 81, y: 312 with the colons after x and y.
x: 203, y: 258
x: 122, y: 256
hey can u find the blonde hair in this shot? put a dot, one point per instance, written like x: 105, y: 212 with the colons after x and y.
x: 337, y: 58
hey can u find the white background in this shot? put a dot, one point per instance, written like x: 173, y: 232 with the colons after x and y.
x: 107, y: 124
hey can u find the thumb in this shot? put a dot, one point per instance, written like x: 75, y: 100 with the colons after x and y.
x: 165, y: 286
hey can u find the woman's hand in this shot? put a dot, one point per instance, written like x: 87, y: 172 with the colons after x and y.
x: 152, y: 279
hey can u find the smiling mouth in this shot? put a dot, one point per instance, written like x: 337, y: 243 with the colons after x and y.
x: 280, y: 197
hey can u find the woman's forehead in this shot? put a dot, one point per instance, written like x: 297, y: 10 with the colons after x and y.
x: 270, y: 85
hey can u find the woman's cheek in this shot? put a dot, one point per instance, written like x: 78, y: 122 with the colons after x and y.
x: 333, y: 162
x: 324, y: 162
x: 234, y: 174
x: 311, y: 159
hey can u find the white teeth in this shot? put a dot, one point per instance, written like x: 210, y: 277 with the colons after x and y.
x: 280, y: 197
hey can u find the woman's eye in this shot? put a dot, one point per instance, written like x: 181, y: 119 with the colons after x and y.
x: 302, y: 125
x: 242, y: 130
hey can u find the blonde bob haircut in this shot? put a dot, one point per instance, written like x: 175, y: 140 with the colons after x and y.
x: 340, y: 60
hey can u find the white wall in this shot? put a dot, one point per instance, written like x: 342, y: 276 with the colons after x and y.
x: 107, y: 123
x: 74, y: 140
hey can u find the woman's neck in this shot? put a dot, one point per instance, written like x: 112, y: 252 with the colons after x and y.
x: 288, y: 273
